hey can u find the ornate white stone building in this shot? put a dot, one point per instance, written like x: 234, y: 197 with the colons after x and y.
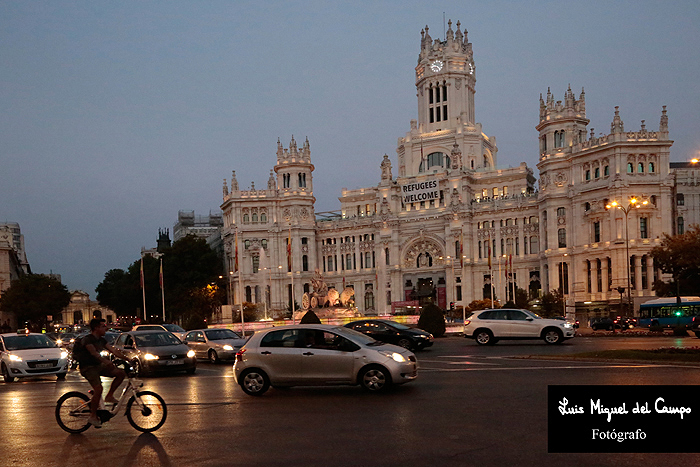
x: 431, y: 228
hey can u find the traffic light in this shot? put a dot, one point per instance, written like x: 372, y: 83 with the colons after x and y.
x: 452, y: 306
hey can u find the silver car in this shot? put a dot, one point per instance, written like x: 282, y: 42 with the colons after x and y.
x: 317, y: 354
x: 214, y: 344
x: 23, y: 355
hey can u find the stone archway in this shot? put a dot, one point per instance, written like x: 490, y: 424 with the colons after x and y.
x: 97, y: 314
x: 78, y: 317
x: 424, y: 252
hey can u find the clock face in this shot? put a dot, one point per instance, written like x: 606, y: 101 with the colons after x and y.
x: 436, y: 66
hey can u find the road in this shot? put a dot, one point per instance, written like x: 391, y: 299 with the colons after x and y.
x: 471, y: 405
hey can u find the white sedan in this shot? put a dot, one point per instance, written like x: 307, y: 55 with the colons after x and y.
x: 23, y: 355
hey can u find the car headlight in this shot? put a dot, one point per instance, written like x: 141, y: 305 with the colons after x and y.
x: 59, y: 342
x: 190, y: 354
x: 397, y: 357
x: 150, y: 356
x: 15, y: 358
x: 228, y: 347
x: 64, y: 355
x: 104, y: 353
x: 567, y: 325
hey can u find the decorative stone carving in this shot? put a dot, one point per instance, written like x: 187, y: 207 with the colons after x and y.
x: 419, y: 249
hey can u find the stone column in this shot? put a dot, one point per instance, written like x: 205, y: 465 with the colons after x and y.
x: 637, y: 274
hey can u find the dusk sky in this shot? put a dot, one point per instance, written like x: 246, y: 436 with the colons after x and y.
x: 116, y: 115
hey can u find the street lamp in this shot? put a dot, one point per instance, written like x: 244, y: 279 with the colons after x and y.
x: 634, y: 203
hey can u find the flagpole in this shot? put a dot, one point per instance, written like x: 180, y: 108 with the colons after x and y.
x: 240, y: 289
x: 162, y: 286
x: 291, y: 267
x: 490, y: 270
x: 143, y: 290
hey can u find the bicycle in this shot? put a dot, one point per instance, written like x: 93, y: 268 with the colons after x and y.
x: 145, y: 410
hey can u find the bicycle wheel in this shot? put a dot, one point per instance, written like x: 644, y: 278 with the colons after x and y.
x: 150, y: 414
x: 73, y: 411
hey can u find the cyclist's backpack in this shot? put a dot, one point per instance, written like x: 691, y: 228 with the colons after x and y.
x: 80, y: 353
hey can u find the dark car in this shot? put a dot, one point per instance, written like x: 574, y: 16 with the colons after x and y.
x: 392, y: 332
x: 604, y: 324
x: 694, y: 326
x: 156, y: 351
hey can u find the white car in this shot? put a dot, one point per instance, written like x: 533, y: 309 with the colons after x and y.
x: 23, y: 355
x: 317, y: 354
x: 488, y: 326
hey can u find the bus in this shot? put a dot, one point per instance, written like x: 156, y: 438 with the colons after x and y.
x: 666, y: 312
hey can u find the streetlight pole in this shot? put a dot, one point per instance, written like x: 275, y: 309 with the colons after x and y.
x: 634, y: 203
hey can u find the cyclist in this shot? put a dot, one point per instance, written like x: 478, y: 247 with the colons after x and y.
x: 93, y: 365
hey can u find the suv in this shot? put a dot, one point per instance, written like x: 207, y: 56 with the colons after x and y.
x: 489, y: 326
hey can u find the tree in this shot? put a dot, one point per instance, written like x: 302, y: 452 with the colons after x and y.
x: 679, y: 255
x: 193, y: 291
x: 34, y: 297
x: 484, y: 304
x: 552, y: 304
x: 432, y: 319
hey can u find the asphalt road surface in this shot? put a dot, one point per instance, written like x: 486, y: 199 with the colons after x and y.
x: 471, y: 405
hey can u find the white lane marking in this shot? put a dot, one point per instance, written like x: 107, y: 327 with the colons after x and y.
x: 567, y: 367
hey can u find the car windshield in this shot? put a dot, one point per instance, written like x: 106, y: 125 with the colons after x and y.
x: 149, y: 327
x: 356, y: 336
x: 110, y: 337
x: 173, y: 328
x: 399, y: 326
x: 534, y: 315
x: 156, y: 339
x: 28, y: 342
x: 219, y: 334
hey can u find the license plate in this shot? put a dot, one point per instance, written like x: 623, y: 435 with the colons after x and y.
x: 44, y: 365
x: 179, y: 361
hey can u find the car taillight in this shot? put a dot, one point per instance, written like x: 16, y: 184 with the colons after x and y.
x: 239, y: 355
x: 467, y: 322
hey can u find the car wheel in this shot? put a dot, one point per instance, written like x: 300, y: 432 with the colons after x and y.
x: 61, y: 376
x: 405, y: 343
x: 254, y: 382
x: 484, y: 337
x: 6, y: 374
x: 213, y: 356
x: 697, y: 334
x: 552, y: 336
x: 375, y: 378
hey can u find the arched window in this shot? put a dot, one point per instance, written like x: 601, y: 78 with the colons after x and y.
x: 681, y: 226
x: 680, y: 199
x: 630, y: 168
x: 651, y: 167
x: 435, y: 159
x: 246, y: 219
x: 255, y: 217
x: 606, y: 170
x: 386, y: 254
x: 480, y: 250
x: 561, y: 236
x: 263, y: 217
x: 597, y: 172
x: 534, y: 245
x: 588, y: 174
x: 305, y: 263
x: 640, y: 168
x: 248, y: 294
x: 587, y: 207
x: 561, y: 212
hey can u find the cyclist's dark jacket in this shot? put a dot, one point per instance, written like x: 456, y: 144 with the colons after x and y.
x: 83, y: 355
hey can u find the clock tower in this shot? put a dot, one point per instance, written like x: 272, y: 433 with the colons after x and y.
x: 446, y: 136
x: 445, y: 80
